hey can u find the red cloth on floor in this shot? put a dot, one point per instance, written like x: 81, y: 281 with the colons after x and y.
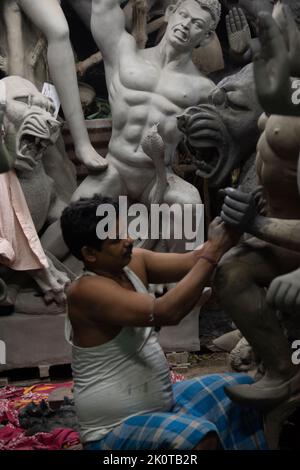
x: 8, y: 413
x: 10, y: 393
x: 13, y: 438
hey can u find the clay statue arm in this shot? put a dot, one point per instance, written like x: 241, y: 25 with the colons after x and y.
x: 274, y: 64
x: 13, y: 23
x: 108, y: 27
x: 240, y: 212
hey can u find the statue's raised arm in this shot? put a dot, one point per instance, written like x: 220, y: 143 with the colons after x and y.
x: 108, y: 28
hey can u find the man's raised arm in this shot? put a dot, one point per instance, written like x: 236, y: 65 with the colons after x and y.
x: 108, y: 27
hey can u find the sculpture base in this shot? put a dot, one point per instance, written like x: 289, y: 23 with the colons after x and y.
x: 33, y: 341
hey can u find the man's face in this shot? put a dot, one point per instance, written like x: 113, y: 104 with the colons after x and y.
x: 188, y: 26
x: 115, y: 252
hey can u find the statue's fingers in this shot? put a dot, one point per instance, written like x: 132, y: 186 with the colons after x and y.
x: 280, y: 295
x: 269, y: 32
x: 238, y: 195
x: 60, y: 298
x: 198, y: 117
x: 228, y: 220
x: 263, y: 83
x: 297, y: 302
x: 204, y: 139
x: 290, y: 299
x: 48, y: 297
x: 232, y: 22
x: 202, y: 124
x: 233, y: 214
x: 236, y: 205
x: 242, y: 16
x: 273, y: 288
x: 258, y: 189
x: 237, y: 20
x: 228, y: 27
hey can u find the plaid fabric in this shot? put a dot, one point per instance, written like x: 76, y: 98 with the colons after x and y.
x: 200, y: 407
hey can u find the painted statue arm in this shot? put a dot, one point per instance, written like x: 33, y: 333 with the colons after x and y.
x: 240, y: 212
x: 274, y: 64
x: 108, y: 28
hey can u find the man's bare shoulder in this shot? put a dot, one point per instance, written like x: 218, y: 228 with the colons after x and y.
x: 83, y: 288
x: 80, y: 290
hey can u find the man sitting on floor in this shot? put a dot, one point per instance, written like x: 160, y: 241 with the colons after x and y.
x: 123, y: 394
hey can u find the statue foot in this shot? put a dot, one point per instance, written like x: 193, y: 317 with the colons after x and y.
x: 266, y: 393
x: 91, y: 159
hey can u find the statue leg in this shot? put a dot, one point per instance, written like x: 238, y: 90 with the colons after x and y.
x: 183, y: 194
x: 13, y: 21
x: 48, y: 16
x: 241, y: 281
x: 109, y: 184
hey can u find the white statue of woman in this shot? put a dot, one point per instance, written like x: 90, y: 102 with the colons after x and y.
x: 48, y: 17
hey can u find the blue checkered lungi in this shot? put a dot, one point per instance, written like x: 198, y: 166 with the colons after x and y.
x: 200, y: 407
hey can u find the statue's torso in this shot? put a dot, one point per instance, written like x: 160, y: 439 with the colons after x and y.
x: 277, y: 160
x: 142, y: 93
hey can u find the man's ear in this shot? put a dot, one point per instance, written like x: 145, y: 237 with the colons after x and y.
x: 208, y: 38
x: 169, y: 10
x: 88, y: 253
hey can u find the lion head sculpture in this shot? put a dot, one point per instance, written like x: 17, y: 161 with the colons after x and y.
x: 223, y: 134
x: 30, y: 116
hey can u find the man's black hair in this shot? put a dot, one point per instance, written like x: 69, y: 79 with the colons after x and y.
x: 79, y: 221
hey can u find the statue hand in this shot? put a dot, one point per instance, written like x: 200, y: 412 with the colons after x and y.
x: 284, y: 293
x: 52, y: 283
x: 199, y: 128
x: 238, y: 31
x: 271, y: 66
x: 221, y: 236
x: 260, y: 201
x: 239, y: 209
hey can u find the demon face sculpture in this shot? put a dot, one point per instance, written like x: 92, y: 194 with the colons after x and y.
x: 29, y: 115
x: 223, y: 134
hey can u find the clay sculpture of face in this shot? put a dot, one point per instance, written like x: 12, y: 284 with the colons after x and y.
x: 191, y: 23
x: 224, y: 133
x: 29, y: 115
